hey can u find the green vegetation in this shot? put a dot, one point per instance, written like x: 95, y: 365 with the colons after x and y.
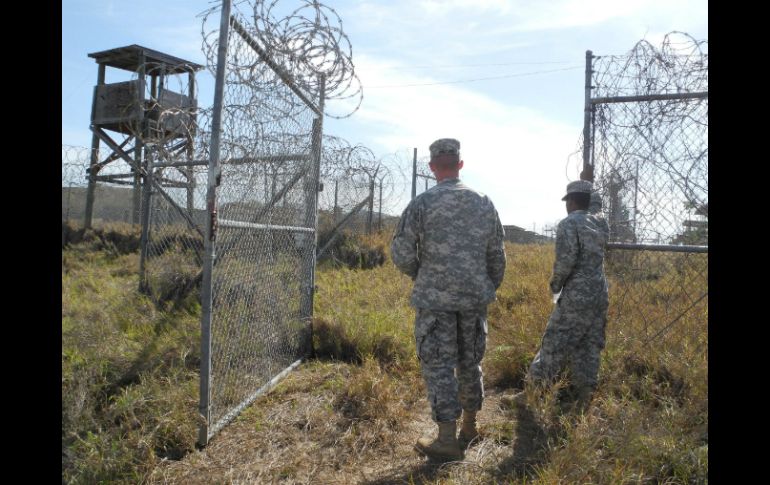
x: 351, y: 415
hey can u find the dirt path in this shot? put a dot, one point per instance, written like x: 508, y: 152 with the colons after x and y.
x: 300, y: 434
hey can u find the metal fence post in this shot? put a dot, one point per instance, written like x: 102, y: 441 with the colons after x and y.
x: 379, y: 212
x: 210, y: 239
x: 587, y: 113
x: 414, y: 174
x: 371, y: 207
x: 312, y: 206
x: 146, y: 214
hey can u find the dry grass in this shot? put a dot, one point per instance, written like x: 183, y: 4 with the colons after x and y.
x: 129, y: 372
x: 353, y: 414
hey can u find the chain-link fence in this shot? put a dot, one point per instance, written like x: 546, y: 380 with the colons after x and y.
x: 647, y: 122
x: 423, y: 178
x: 345, y: 200
x: 364, y: 193
x: 258, y: 274
x: 113, y: 201
x: 74, y: 162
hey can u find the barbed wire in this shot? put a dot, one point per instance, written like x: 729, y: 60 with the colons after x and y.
x: 305, y: 39
x: 678, y: 65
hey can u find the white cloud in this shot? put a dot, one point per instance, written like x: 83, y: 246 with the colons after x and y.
x: 514, y: 154
x: 179, y: 41
x: 446, y: 7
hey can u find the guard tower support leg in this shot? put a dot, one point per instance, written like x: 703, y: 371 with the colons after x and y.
x: 189, y: 150
x: 94, y: 159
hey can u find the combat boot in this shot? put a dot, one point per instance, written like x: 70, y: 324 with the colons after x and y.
x: 583, y: 397
x: 445, y: 447
x: 577, y: 399
x: 518, y: 399
x: 468, y: 431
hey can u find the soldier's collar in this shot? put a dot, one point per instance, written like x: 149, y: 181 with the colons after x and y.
x: 452, y: 179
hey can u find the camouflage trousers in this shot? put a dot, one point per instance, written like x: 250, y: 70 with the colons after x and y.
x: 573, y: 340
x: 449, y: 342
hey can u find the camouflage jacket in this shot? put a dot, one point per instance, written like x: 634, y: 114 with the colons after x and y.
x: 578, y: 271
x: 450, y: 241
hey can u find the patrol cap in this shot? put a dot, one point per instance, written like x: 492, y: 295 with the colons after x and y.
x: 578, y: 186
x: 444, y: 146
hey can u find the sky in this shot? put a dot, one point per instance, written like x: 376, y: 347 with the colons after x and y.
x: 424, y: 66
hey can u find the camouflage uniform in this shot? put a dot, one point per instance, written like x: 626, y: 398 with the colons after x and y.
x: 574, y: 335
x: 595, y: 205
x: 450, y: 241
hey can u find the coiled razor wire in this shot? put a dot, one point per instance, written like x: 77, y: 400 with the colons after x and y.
x: 651, y: 157
x: 305, y: 38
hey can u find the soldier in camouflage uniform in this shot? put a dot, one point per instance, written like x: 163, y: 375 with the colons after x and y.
x: 574, y: 335
x: 450, y: 241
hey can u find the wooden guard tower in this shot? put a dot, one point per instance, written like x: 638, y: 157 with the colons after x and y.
x: 161, y: 121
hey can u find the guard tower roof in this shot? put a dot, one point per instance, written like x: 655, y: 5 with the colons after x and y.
x: 128, y: 58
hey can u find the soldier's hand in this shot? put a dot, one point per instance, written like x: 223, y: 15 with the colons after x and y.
x: 587, y: 173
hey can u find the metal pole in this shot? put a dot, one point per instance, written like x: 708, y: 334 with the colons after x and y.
x: 309, y: 248
x: 147, y: 187
x: 636, y: 193
x: 379, y: 214
x: 650, y: 97
x: 136, y: 198
x: 659, y: 247
x: 146, y: 199
x: 587, y: 114
x: 371, y: 207
x: 315, y: 186
x: 414, y: 174
x: 94, y: 156
x: 210, y: 239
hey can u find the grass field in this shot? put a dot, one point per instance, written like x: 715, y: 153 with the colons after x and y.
x: 130, y: 385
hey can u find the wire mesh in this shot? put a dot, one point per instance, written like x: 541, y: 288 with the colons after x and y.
x: 650, y: 154
x: 346, y: 186
x: 113, y: 201
x: 425, y: 178
x: 174, y: 142
x: 651, y: 157
x: 74, y: 162
x: 362, y: 194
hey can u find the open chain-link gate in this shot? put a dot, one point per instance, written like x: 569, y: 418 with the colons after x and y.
x: 646, y: 135
x: 241, y: 227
